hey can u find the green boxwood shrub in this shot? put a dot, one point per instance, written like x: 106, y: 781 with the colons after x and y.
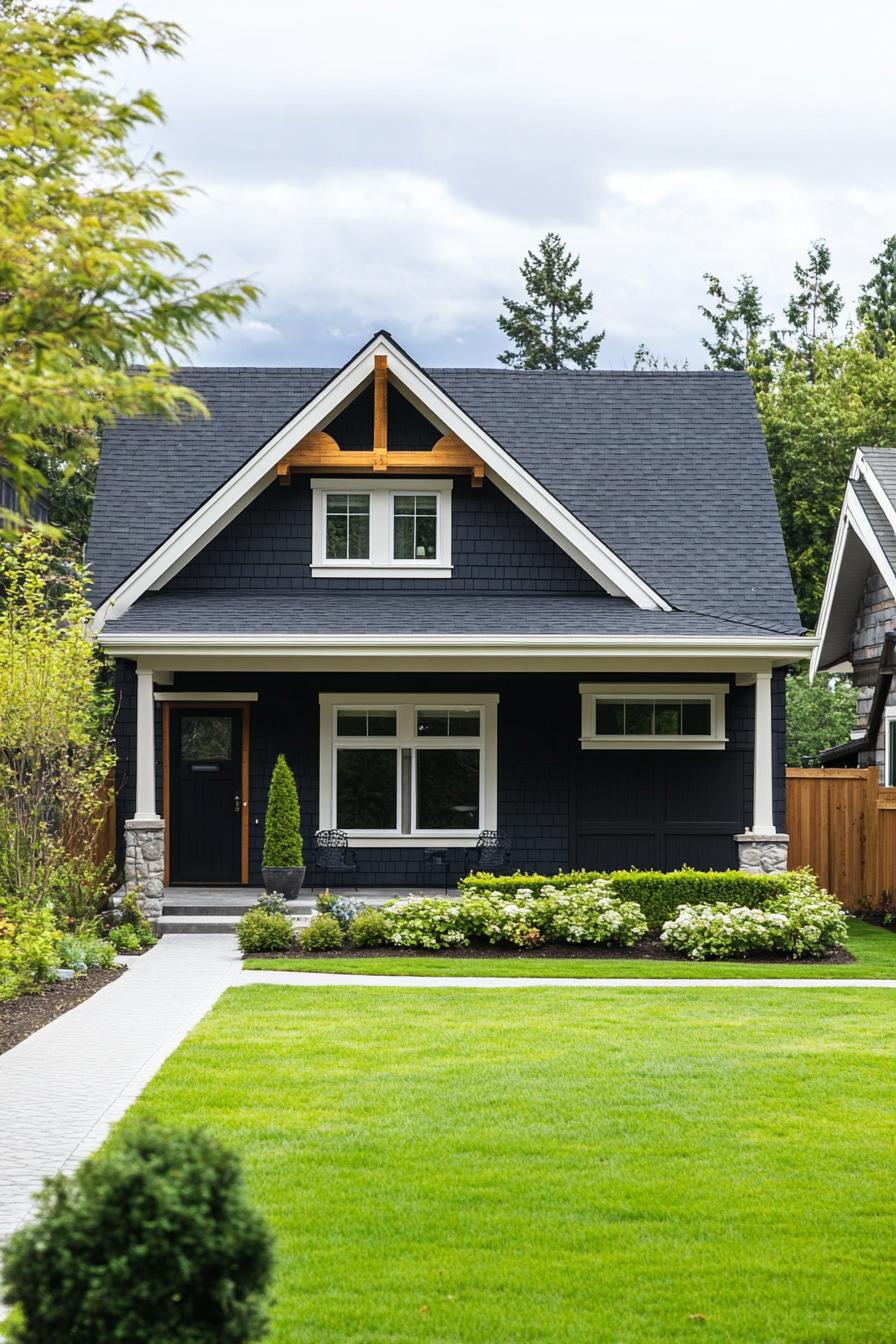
x: 282, y: 820
x: 124, y: 940
x: 658, y: 894
x: 264, y: 931
x: 131, y: 916
x: 368, y: 929
x: 29, y: 942
x: 323, y: 934
x: 151, y: 1239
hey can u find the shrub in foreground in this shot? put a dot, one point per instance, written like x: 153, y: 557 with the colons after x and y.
x: 29, y: 942
x: 592, y: 914
x: 152, y: 1239
x: 368, y: 929
x: 130, y: 916
x: 798, y: 923
x: 264, y: 931
x: 424, y: 921
x: 81, y: 952
x: 124, y: 940
x: 323, y: 934
x: 510, y: 884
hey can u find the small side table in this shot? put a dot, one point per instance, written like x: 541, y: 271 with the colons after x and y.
x: 433, y: 860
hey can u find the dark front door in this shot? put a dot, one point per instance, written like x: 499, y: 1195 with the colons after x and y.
x: 205, y: 795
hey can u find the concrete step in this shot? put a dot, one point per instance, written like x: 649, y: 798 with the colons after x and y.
x: 205, y: 923
x: 199, y: 908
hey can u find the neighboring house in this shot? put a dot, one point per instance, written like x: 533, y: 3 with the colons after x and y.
x: 857, y: 623
x: 10, y: 502
x: 552, y: 603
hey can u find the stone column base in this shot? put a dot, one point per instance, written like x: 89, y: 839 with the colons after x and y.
x: 762, y: 853
x: 144, y: 863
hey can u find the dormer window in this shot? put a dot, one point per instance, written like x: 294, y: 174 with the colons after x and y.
x: 381, y: 529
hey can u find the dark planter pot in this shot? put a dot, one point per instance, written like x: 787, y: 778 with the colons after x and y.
x: 288, y: 881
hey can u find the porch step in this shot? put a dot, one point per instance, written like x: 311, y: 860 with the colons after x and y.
x: 202, y: 920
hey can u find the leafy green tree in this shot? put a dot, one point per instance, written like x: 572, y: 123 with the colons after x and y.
x: 152, y: 1239
x: 812, y: 429
x: 282, y: 820
x: 96, y: 307
x: 740, y: 325
x: 877, y: 302
x: 814, y: 310
x: 548, y: 330
x: 820, y: 714
x: 645, y: 359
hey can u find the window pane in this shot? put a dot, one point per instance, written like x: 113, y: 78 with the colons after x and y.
x: 206, y: 737
x: 696, y: 718
x: 463, y: 722
x: 365, y: 723
x: 348, y: 527
x: 638, y: 718
x: 432, y: 723
x: 448, y: 789
x: 668, y: 719
x: 609, y: 717
x: 366, y: 788
x: 415, y: 527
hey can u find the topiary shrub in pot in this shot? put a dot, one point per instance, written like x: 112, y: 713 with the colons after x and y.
x: 282, y: 864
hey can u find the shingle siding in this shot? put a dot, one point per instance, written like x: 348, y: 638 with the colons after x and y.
x: 875, y: 617
x: 494, y: 547
x: 561, y: 806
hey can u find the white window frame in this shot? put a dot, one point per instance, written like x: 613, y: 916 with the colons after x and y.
x: 889, y: 717
x: 406, y: 706
x: 592, y: 692
x: 380, y: 564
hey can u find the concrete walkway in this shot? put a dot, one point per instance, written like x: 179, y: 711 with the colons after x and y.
x: 63, y: 1087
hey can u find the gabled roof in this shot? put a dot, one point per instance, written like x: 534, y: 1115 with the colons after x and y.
x: 866, y: 539
x: 659, y: 481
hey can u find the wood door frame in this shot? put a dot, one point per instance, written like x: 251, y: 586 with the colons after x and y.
x: 209, y: 706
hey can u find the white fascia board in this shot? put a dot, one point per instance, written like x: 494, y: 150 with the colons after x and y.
x: 773, y: 648
x: 852, y: 519
x: 877, y: 489
x: 538, y: 503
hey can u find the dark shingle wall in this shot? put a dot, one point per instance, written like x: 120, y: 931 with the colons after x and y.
x: 494, y: 546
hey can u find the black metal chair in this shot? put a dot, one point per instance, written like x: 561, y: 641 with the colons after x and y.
x: 491, y: 854
x: 330, y: 854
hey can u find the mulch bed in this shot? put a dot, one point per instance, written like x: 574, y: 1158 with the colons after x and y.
x: 647, y: 949
x: 26, y: 1014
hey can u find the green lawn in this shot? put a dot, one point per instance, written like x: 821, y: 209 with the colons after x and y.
x: 613, y: 1167
x: 873, y: 948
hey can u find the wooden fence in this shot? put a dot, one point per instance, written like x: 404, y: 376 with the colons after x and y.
x: 842, y: 825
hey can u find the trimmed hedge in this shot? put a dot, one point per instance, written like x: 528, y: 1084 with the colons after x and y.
x: 658, y: 894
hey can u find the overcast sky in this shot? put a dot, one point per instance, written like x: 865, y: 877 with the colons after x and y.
x: 388, y: 165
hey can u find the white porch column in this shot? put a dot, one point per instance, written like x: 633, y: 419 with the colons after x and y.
x: 146, y: 749
x: 144, y: 833
x: 762, y: 849
x: 763, y: 806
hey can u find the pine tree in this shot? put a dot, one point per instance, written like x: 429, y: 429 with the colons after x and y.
x: 813, y: 311
x: 739, y: 323
x: 877, y: 305
x: 546, y: 330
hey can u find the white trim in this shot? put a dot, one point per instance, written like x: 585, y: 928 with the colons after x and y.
x: 864, y: 466
x: 889, y: 717
x: 827, y: 599
x: 596, y: 558
x: 380, y: 563
x: 406, y: 704
x: 714, y: 692
x: 240, y: 697
x: 145, y: 809
x: 763, y: 758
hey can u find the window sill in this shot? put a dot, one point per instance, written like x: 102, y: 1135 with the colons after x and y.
x: 466, y: 841
x: 653, y: 744
x: 424, y: 570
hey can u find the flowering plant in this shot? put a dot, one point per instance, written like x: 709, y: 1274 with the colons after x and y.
x: 423, y: 921
x: 804, y: 921
x: 346, y: 909
x: 591, y: 914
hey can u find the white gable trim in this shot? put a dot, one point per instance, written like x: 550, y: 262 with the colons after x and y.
x: 602, y: 564
x: 853, y: 519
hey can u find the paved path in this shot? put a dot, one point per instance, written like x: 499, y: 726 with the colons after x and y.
x: 62, y: 1088
x: 533, y: 982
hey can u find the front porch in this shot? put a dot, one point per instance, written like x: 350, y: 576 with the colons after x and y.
x: 589, y: 764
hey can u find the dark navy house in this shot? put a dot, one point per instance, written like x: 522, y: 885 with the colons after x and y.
x: 555, y: 604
